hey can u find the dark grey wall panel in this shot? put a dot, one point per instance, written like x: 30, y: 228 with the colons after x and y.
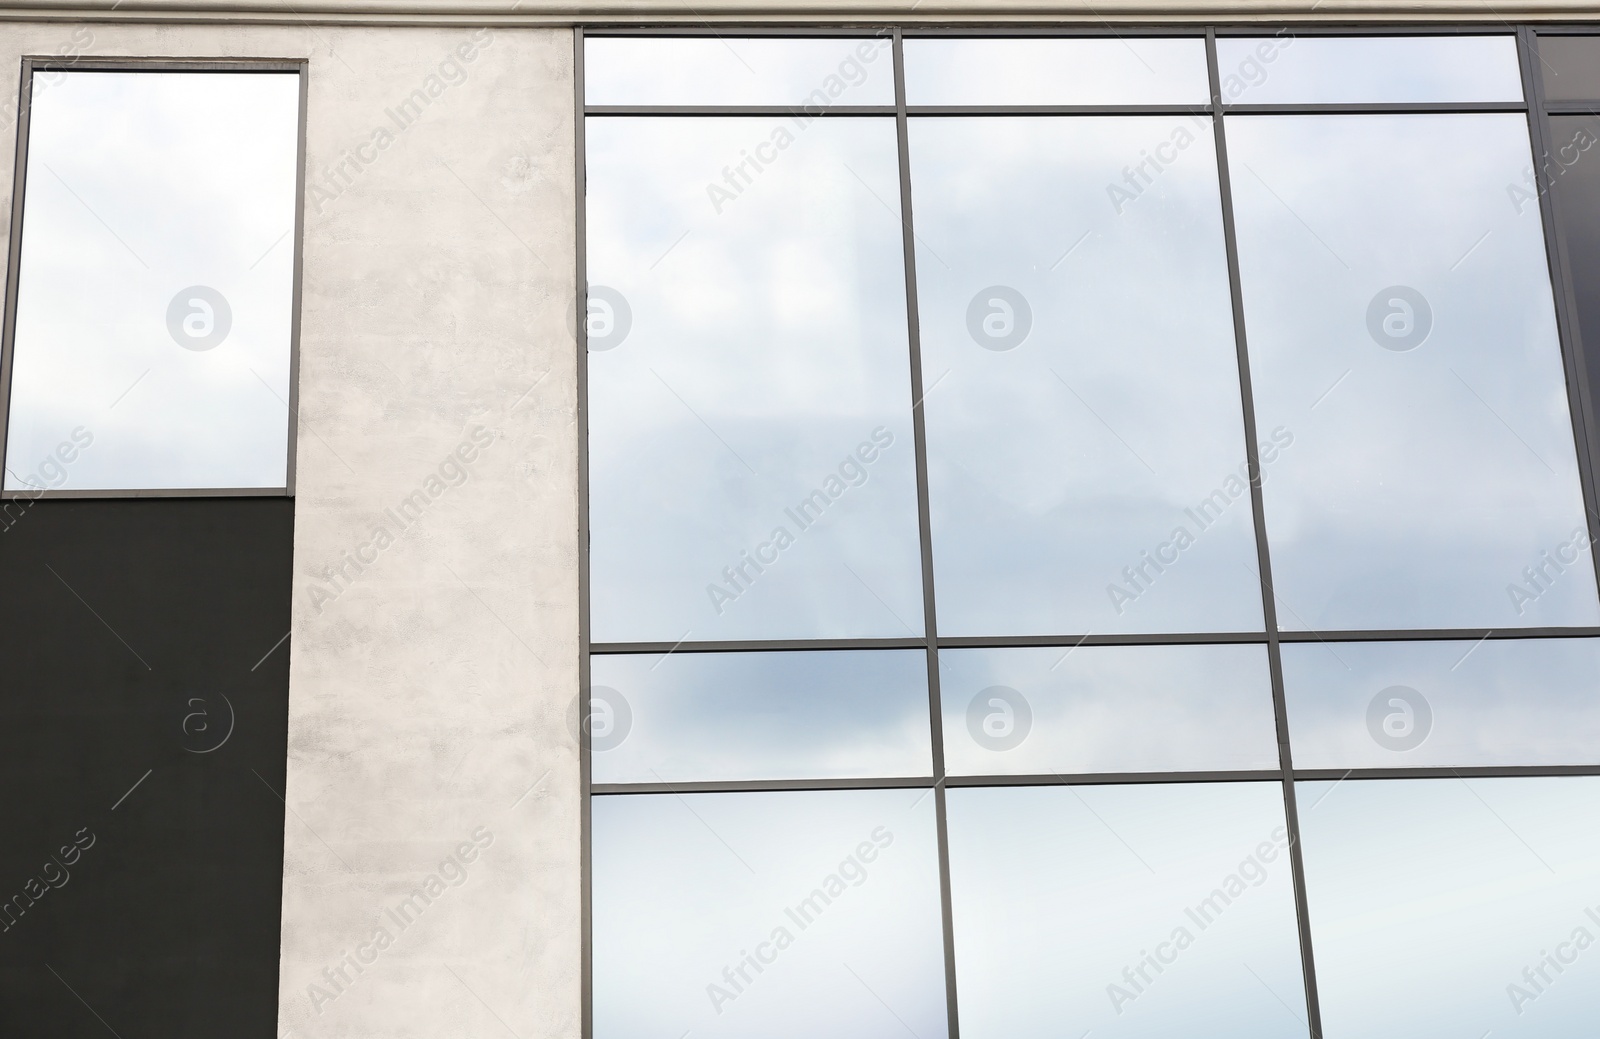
x: 144, y: 723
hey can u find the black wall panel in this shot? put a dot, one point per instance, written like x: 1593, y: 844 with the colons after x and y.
x: 141, y: 824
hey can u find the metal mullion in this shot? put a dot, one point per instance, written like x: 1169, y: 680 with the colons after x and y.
x: 916, y: 111
x: 726, y: 111
x: 1270, y: 775
x: 1224, y: 638
x: 1438, y: 635
x: 701, y: 30
x: 19, y: 185
x: 1569, y: 107
x: 1565, y: 300
x: 1407, y: 108
x: 1447, y: 772
x: 585, y: 763
x: 745, y: 786
x: 930, y: 625
x: 1358, y: 28
x: 1263, y: 555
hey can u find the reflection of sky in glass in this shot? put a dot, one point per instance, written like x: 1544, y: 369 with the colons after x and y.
x: 709, y: 716
x: 686, y: 887
x: 140, y: 185
x: 730, y: 70
x: 1422, y: 480
x: 1110, y: 709
x: 1528, y: 702
x: 1058, y: 890
x: 1430, y: 898
x: 1361, y: 70
x: 1099, y: 71
x: 1059, y: 462
x: 765, y: 366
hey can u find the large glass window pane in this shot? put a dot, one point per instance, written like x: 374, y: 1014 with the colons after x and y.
x: 752, y: 716
x: 731, y: 70
x: 1571, y: 67
x: 1400, y: 323
x: 1421, y: 704
x: 751, y: 463
x: 1103, y: 71
x: 1288, y: 69
x: 1443, y: 908
x: 156, y: 281
x: 1085, y: 443
x: 1124, y: 912
x: 767, y: 916
x: 1106, y: 709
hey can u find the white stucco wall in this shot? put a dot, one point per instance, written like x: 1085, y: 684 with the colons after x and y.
x: 429, y: 695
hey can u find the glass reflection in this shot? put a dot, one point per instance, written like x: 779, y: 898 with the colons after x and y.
x: 1141, y: 70
x: 751, y: 462
x: 767, y: 915
x: 711, y: 716
x: 1085, y: 446
x: 1130, y: 912
x: 1571, y: 67
x: 156, y: 282
x: 730, y: 70
x: 1289, y: 69
x: 1419, y: 704
x: 1400, y: 321
x: 1106, y: 709
x: 1448, y: 907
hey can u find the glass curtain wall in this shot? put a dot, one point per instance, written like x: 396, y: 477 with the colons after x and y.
x: 1090, y: 536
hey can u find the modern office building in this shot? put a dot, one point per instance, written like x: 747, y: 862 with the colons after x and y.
x: 933, y: 519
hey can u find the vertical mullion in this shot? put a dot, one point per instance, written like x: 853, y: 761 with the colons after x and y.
x: 19, y: 190
x: 925, y: 531
x: 1565, y: 301
x: 1263, y: 560
x: 581, y: 321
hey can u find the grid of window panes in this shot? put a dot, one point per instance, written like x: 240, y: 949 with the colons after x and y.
x: 1092, y: 536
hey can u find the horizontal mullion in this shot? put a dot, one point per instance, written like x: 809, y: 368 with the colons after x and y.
x: 1572, y: 107
x: 1418, y: 108
x: 1438, y: 634
x: 1445, y: 772
x: 179, y: 492
x: 56, y: 63
x: 1047, y: 641
x: 790, y: 111
x: 1024, y: 110
x: 756, y: 646
x: 1098, y: 779
x: 756, y: 785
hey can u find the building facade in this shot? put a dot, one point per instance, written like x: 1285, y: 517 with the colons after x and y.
x: 938, y: 519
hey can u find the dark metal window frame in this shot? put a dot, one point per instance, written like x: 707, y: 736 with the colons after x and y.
x: 55, y: 63
x: 1586, y: 437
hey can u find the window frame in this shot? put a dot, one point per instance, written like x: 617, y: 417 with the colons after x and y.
x: 55, y: 63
